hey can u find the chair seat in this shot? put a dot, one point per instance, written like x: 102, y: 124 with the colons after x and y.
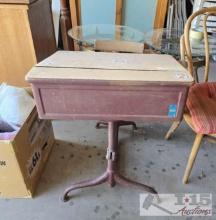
x: 201, y: 104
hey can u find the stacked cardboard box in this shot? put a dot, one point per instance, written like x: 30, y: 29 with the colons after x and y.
x: 23, y: 157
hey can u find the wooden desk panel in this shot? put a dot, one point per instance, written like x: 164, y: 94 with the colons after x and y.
x: 105, y: 102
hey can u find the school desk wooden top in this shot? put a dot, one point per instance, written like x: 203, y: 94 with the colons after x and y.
x: 109, y: 86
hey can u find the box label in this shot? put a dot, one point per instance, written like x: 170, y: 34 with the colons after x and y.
x: 36, y: 158
x: 2, y: 163
x: 34, y: 162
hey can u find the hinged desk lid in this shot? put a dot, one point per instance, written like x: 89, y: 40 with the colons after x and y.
x: 101, y: 60
x: 110, y: 66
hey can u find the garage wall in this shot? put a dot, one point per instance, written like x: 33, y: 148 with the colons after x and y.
x: 139, y: 14
x: 98, y: 11
x: 136, y: 13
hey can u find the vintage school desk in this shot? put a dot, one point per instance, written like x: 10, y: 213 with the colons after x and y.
x: 109, y: 87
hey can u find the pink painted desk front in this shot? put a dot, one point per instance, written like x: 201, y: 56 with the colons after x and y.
x: 110, y: 87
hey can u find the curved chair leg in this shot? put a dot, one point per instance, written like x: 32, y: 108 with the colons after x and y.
x: 192, y: 157
x: 172, y: 129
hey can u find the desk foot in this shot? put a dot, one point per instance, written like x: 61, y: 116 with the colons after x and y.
x: 111, y: 175
x: 99, y: 180
x: 130, y: 183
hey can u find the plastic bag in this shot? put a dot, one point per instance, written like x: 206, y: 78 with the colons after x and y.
x: 15, y: 106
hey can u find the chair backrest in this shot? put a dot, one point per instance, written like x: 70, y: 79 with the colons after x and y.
x: 186, y: 50
x: 119, y: 46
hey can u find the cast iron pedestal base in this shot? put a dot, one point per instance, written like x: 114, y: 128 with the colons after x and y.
x: 111, y: 175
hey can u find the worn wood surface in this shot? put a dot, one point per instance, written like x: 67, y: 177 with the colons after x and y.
x: 127, y: 76
x: 113, y: 61
x: 111, y: 66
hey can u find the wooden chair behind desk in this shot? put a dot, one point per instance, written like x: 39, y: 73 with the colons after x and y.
x: 200, y: 114
x: 121, y: 47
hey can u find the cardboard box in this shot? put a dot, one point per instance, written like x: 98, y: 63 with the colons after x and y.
x: 23, y: 158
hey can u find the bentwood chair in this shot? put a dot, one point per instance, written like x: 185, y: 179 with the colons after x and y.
x: 200, y: 113
x: 120, y: 47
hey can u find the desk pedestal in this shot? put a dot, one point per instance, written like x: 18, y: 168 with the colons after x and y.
x: 111, y: 175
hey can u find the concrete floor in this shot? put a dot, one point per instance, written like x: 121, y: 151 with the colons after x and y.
x: 145, y: 156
